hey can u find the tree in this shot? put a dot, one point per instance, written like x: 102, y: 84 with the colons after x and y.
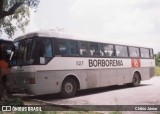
x: 157, y: 59
x: 14, y: 14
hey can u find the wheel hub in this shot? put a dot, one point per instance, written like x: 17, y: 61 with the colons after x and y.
x: 68, y: 87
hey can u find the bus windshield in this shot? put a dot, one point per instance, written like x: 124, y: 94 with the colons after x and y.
x: 32, y: 51
x: 24, y: 52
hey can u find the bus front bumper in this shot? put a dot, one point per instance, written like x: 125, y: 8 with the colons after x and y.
x: 18, y: 88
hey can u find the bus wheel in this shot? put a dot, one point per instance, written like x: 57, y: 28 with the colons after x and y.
x: 69, y: 88
x: 136, y: 79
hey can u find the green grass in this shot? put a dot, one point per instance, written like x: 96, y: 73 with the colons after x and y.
x: 116, y: 112
x: 12, y: 101
x: 157, y: 71
x: 19, y: 102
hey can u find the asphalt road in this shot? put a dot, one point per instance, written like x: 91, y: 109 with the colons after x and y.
x: 148, y: 93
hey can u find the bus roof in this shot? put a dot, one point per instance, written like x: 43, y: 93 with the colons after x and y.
x: 5, y: 40
x: 48, y: 33
x: 67, y: 35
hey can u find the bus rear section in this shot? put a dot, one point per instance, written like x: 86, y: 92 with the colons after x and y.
x: 55, y: 63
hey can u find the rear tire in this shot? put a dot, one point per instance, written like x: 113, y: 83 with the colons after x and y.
x: 136, y: 80
x: 69, y: 88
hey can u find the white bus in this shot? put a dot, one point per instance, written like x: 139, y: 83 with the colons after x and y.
x: 52, y: 62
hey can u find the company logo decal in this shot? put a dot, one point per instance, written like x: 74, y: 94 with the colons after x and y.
x: 104, y: 63
x: 135, y: 62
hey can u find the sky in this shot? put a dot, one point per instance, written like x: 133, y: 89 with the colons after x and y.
x: 129, y: 22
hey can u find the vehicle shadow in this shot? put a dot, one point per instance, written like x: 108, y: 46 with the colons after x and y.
x: 106, y: 89
x: 81, y: 93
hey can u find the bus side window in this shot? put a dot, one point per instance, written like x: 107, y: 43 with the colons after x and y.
x: 72, y: 48
x: 101, y: 53
x: 121, y: 51
x: 106, y: 50
x: 83, y: 48
x: 62, y: 45
x: 45, y: 51
x: 48, y: 49
x: 133, y: 52
x: 144, y: 53
x: 151, y: 53
x: 67, y: 47
x: 93, y: 49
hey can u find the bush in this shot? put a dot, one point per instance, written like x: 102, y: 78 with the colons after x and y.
x: 157, y: 71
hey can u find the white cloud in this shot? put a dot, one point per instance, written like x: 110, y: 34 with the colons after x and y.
x: 134, y: 22
x: 31, y: 27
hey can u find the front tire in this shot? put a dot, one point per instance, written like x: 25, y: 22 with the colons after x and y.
x: 69, y: 88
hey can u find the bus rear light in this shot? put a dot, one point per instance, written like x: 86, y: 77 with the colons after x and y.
x: 32, y: 80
